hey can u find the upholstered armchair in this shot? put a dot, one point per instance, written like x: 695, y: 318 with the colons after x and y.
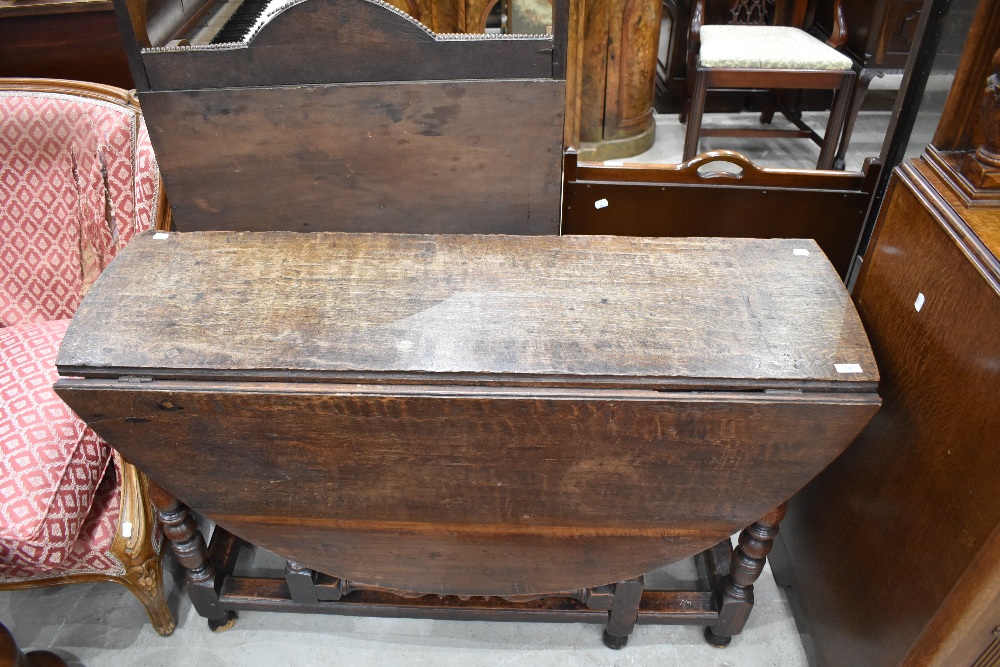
x: 754, y: 53
x: 78, y: 180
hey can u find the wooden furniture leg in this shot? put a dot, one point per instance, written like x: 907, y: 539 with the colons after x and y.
x: 11, y: 655
x: 835, y: 125
x: 735, y: 595
x: 861, y: 85
x: 695, y: 114
x: 624, y: 613
x: 189, y: 548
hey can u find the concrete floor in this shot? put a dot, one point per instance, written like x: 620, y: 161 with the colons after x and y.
x: 101, y: 624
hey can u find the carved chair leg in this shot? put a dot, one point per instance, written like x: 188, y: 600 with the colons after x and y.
x: 767, y: 113
x: 134, y: 548
x: 833, y: 137
x: 735, y: 595
x: 146, y: 583
x: 857, y: 100
x: 624, y: 613
x: 189, y: 548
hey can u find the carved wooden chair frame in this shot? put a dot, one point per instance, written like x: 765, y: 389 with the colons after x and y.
x: 702, y: 79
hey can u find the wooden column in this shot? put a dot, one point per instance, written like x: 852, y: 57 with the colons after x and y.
x: 617, y: 69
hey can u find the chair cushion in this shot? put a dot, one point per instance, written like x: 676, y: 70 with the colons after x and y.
x: 50, y: 461
x: 78, y: 181
x: 90, y: 553
x: 766, y: 47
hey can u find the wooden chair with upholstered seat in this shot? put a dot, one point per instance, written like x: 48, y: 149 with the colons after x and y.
x: 751, y: 53
x: 78, y: 180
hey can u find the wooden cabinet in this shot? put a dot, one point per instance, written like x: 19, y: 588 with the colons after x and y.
x: 60, y: 39
x: 892, y: 554
x: 896, y: 546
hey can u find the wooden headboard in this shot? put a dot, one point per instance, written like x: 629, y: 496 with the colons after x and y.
x: 348, y: 115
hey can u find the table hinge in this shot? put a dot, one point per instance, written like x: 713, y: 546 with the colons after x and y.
x: 135, y: 379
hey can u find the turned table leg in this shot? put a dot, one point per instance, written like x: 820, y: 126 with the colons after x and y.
x: 189, y: 547
x: 624, y: 613
x: 735, y: 594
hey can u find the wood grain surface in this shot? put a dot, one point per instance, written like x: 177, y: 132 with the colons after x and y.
x: 425, y: 157
x: 472, y: 491
x: 304, y: 391
x: 564, y: 311
x: 893, y: 550
x: 330, y: 41
x: 644, y: 200
x: 62, y: 40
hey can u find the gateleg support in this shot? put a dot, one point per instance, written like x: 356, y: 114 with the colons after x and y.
x: 734, y: 594
x: 624, y: 613
x: 189, y: 547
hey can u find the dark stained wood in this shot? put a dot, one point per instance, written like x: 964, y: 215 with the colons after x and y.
x: 673, y: 607
x: 880, y: 32
x: 324, y: 41
x: 914, y: 498
x: 735, y: 595
x: 190, y: 550
x: 301, y: 583
x: 75, y: 40
x: 337, y: 596
x: 645, y: 200
x: 349, y: 115
x: 555, y: 310
x: 419, y: 158
x: 624, y: 613
x: 11, y: 655
x: 363, y: 459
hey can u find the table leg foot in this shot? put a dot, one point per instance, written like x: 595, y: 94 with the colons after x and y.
x: 715, y: 640
x: 624, y: 613
x: 613, y: 642
x: 189, y: 548
x: 218, y: 625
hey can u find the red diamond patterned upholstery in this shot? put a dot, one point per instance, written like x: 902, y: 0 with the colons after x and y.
x: 50, y: 461
x: 71, y: 198
x: 78, y: 180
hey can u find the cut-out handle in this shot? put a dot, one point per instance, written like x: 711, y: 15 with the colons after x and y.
x: 721, y: 164
x: 720, y: 169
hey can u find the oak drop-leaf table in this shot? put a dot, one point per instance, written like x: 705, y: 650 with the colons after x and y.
x: 472, y: 426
